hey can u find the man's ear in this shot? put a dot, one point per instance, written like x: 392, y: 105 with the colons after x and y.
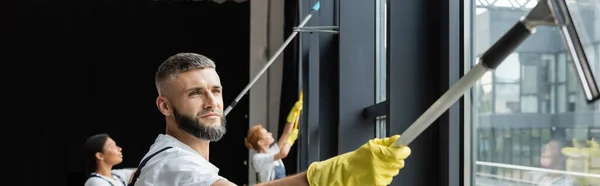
x: 163, y: 106
x: 99, y: 156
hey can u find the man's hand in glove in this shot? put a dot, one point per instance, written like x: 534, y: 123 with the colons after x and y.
x: 374, y: 163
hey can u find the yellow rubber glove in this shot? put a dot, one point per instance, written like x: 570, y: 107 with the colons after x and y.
x: 295, y: 112
x: 292, y: 137
x: 374, y: 163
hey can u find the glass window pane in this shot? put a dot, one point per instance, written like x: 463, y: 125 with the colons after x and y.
x: 531, y: 114
x: 573, y: 82
x: 509, y: 71
x: 530, y: 79
x: 484, y: 102
x: 552, y: 71
x: 380, y: 63
x: 380, y: 49
x: 507, y: 98
x: 529, y: 104
x: 596, y: 65
x: 561, y: 98
x: 552, y: 98
x: 561, y: 68
x: 380, y: 127
x: 544, y: 105
x: 590, y: 52
x: 593, y: 52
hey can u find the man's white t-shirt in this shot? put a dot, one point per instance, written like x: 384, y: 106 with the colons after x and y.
x: 264, y: 164
x: 120, y: 178
x: 177, y: 166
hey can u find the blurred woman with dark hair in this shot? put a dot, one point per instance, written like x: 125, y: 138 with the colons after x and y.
x: 101, y: 154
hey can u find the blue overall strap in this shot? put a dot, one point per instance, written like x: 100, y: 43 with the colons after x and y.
x: 119, y: 177
x: 142, y: 164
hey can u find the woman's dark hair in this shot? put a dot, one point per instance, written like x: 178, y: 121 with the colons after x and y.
x: 93, y: 145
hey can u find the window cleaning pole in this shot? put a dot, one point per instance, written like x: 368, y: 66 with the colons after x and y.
x: 540, y: 15
x: 277, y: 53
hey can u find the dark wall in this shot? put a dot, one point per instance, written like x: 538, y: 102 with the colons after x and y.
x: 289, y: 86
x: 86, y: 67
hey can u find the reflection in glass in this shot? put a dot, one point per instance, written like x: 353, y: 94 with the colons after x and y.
x: 380, y: 63
x: 531, y: 108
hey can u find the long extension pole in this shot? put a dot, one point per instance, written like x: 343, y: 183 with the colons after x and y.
x: 277, y: 53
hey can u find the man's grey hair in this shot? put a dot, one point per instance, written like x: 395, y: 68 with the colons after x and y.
x: 180, y: 63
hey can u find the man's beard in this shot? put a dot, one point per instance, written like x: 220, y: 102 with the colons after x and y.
x: 192, y: 126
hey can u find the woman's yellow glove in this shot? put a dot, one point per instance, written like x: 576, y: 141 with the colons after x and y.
x: 374, y: 163
x: 295, y: 112
x: 292, y: 137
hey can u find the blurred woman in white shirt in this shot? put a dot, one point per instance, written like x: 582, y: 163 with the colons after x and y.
x: 267, y: 159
